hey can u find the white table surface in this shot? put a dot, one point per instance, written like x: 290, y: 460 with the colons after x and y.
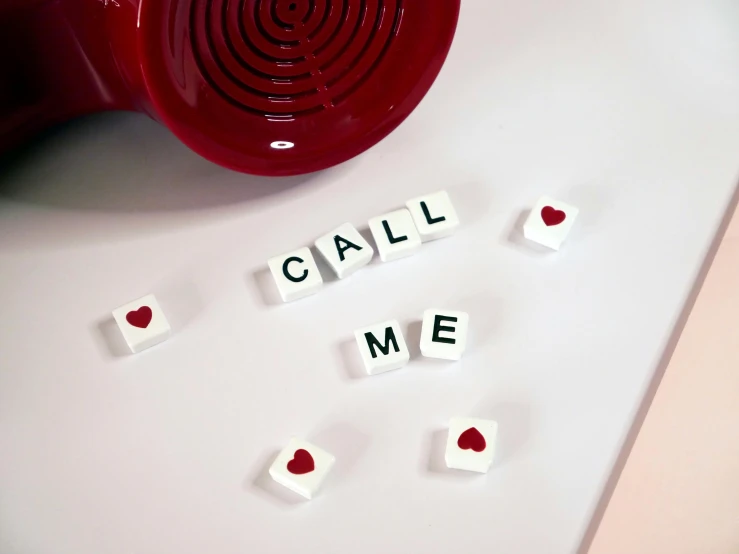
x: 628, y: 110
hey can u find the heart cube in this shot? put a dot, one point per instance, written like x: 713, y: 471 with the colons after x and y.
x: 434, y: 215
x: 345, y: 250
x: 142, y: 323
x: 296, y: 274
x: 549, y: 222
x: 382, y: 347
x: 471, y: 444
x: 302, y: 467
x: 444, y: 334
x: 395, y: 234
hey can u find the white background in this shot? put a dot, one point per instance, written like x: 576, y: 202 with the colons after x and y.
x: 628, y: 110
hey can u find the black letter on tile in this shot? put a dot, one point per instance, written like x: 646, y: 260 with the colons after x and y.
x: 431, y: 220
x: 389, y: 337
x: 287, y: 273
x: 389, y: 233
x: 438, y: 327
x: 341, y: 249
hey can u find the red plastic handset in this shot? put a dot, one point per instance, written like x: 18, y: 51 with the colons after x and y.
x: 271, y: 87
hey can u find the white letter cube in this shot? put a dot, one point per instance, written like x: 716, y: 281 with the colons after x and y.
x: 295, y: 274
x: 444, y: 334
x: 142, y: 323
x: 345, y: 250
x: 395, y: 234
x: 434, y: 215
x: 301, y: 467
x: 550, y: 222
x: 382, y: 347
x: 471, y: 444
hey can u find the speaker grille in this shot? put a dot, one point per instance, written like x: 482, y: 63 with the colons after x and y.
x: 287, y: 58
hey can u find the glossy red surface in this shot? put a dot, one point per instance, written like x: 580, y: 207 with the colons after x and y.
x: 271, y: 87
x: 552, y: 216
x: 472, y: 439
x: 140, y: 318
x: 301, y: 463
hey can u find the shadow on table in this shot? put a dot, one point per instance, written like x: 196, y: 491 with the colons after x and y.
x: 126, y: 162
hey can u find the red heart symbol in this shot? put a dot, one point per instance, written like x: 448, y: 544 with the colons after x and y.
x: 140, y: 318
x: 552, y: 216
x: 471, y: 439
x: 301, y: 463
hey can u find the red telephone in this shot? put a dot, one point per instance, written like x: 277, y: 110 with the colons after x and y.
x: 270, y: 87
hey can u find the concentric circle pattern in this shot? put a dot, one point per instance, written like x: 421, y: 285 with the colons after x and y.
x: 290, y: 57
x: 284, y: 87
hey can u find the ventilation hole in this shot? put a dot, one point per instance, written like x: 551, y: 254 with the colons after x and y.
x: 265, y: 67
